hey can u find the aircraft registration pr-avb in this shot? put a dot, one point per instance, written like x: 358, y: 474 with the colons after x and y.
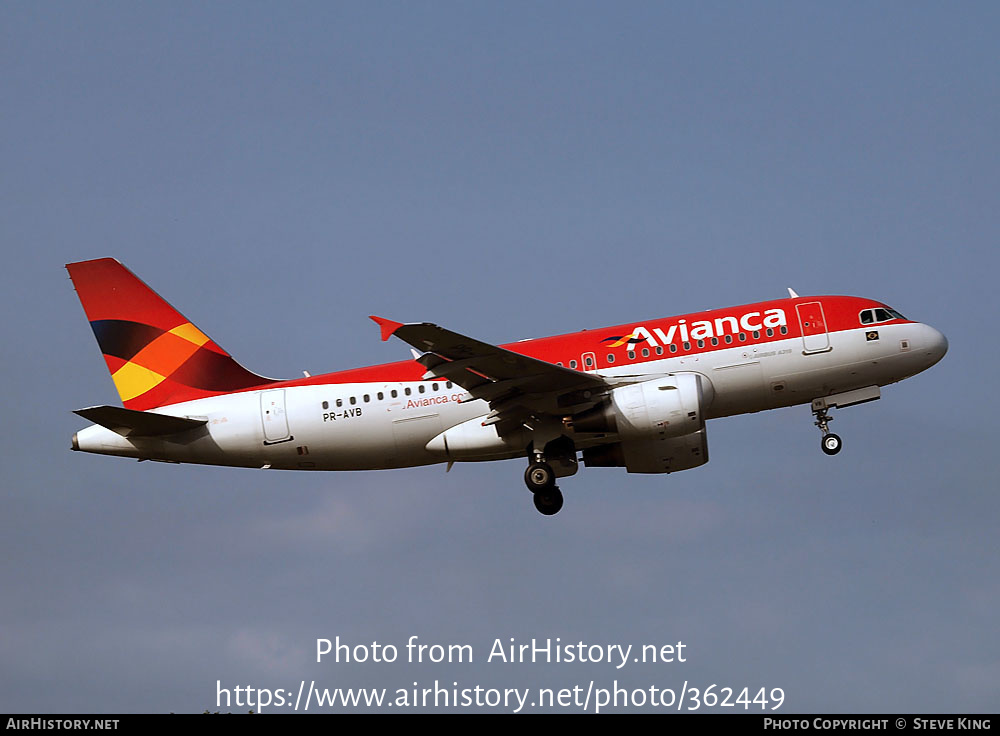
x: 636, y: 396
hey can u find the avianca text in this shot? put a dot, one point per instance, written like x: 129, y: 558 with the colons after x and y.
x: 706, y: 329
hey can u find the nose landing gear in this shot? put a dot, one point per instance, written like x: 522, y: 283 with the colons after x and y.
x: 831, y: 443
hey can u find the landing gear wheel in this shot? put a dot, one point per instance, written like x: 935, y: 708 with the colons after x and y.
x: 832, y: 444
x: 540, y: 477
x: 549, y: 501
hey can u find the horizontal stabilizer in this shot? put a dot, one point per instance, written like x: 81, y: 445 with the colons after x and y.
x: 131, y: 423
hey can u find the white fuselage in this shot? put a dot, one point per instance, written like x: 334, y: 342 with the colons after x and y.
x: 346, y: 426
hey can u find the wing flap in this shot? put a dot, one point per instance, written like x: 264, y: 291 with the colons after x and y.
x: 131, y: 423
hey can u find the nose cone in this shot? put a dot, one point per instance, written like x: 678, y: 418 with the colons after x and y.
x: 935, y: 344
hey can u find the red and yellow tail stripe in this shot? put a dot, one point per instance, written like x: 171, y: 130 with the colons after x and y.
x: 155, y: 355
x: 159, y: 359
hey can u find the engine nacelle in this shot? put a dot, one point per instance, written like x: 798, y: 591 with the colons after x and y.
x: 671, y: 406
x: 660, y: 425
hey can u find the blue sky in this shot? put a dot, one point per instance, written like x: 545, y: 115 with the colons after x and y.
x: 508, y: 171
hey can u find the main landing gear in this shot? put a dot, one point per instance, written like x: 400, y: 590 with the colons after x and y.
x: 831, y: 443
x: 541, y: 481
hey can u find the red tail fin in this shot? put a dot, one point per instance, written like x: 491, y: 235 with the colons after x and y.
x: 155, y: 355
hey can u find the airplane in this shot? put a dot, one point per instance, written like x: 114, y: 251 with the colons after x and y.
x: 635, y: 396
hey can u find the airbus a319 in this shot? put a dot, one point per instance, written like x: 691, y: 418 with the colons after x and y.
x: 636, y: 396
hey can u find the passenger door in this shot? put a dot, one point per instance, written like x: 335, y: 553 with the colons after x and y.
x: 815, y: 338
x: 273, y: 416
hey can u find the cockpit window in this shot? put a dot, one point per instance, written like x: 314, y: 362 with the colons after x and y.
x: 881, y: 314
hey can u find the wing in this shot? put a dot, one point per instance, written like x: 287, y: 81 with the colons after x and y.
x: 518, y: 388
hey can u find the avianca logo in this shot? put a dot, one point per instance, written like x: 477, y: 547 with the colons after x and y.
x: 702, y: 329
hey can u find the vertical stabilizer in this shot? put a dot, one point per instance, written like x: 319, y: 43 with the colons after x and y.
x: 155, y: 355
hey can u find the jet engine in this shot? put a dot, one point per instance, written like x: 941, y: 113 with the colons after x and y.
x: 660, y: 425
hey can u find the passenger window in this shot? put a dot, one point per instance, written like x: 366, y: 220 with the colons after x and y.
x: 611, y: 358
x: 743, y: 337
x: 353, y: 401
x: 380, y: 396
x: 572, y: 364
x: 407, y: 390
x: 340, y: 402
x: 687, y: 346
x: 326, y: 404
x: 701, y: 343
x: 645, y: 352
x: 756, y: 334
x: 784, y: 330
x: 421, y: 388
x: 715, y: 341
x: 367, y: 398
x: 589, y: 362
x: 436, y: 386
x: 729, y: 339
x: 659, y: 350
x: 770, y: 332
x: 673, y: 348
x: 447, y: 384
x: 394, y: 393
x: 631, y: 355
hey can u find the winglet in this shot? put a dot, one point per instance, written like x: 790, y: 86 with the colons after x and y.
x: 387, y: 325
x: 791, y: 293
